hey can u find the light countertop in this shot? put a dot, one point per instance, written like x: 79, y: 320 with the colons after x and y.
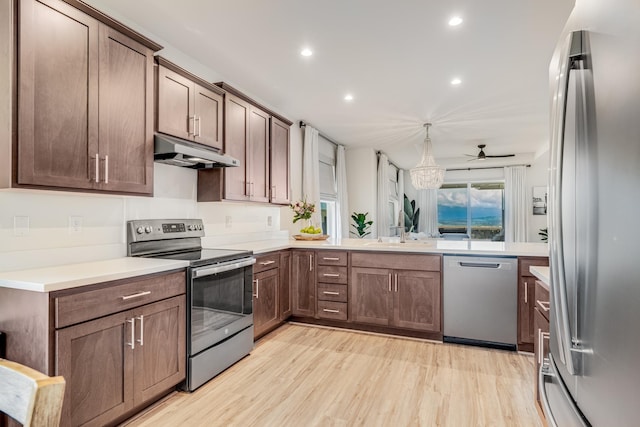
x: 541, y: 273
x: 471, y: 247
x: 73, y: 275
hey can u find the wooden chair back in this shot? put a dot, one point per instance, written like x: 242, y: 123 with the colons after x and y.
x: 30, y: 397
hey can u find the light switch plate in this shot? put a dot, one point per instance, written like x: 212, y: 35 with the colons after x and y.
x: 75, y: 225
x: 20, y: 225
x: 227, y: 221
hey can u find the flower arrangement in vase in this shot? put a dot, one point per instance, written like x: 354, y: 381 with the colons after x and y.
x: 303, y: 210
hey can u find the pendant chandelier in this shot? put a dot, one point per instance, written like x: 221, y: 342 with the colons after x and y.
x: 427, y: 174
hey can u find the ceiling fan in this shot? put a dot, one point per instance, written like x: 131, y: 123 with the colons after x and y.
x: 482, y: 156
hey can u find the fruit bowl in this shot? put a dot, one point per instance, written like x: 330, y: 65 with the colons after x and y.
x: 307, y: 236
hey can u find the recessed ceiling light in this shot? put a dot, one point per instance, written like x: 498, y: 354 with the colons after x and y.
x: 455, y: 21
x: 456, y: 81
x: 306, y: 52
x: 348, y: 97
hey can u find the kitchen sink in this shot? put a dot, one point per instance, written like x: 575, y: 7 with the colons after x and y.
x: 407, y: 244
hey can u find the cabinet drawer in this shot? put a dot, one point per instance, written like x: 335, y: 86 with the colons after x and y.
x: 330, y: 292
x: 330, y: 274
x: 332, y: 258
x: 415, y: 262
x: 542, y: 299
x: 266, y: 262
x: 116, y: 296
x: 332, y: 310
x: 525, y: 263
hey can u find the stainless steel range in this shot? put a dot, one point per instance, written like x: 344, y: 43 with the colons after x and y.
x: 219, y: 293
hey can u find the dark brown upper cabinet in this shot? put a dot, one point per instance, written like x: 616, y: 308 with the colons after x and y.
x: 85, y: 100
x: 258, y: 138
x: 188, y: 107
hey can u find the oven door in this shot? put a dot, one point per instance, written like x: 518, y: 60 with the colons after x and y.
x: 220, y: 302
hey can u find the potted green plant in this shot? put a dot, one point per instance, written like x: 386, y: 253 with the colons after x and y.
x: 543, y: 233
x: 360, y: 224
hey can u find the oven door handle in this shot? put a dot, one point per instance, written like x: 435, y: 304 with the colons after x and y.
x: 221, y: 268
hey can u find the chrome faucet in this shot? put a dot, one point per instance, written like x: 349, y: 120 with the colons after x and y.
x: 403, y: 234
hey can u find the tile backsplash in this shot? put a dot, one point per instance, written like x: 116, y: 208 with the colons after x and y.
x: 68, y: 227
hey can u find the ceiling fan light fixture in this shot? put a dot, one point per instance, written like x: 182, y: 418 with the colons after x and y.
x: 427, y: 174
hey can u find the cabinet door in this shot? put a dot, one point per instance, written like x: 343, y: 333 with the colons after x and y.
x: 175, y: 104
x: 160, y: 348
x: 526, y: 305
x: 96, y: 359
x: 371, y: 298
x: 279, y: 168
x: 259, y: 151
x: 265, y: 301
x: 208, y: 122
x: 236, y: 138
x: 126, y: 114
x: 285, y: 285
x: 58, y: 93
x: 304, y: 283
x: 417, y: 300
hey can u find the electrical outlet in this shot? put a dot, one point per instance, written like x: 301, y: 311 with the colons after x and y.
x: 227, y: 221
x: 269, y: 221
x: 20, y: 225
x: 75, y: 225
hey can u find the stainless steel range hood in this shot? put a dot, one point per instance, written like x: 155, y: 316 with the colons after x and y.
x: 179, y: 152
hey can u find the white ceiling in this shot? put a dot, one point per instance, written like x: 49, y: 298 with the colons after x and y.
x: 396, y: 58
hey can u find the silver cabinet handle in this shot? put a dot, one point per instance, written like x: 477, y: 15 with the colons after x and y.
x: 138, y: 295
x: 543, y: 305
x: 389, y: 282
x: 141, y: 319
x: 526, y: 292
x: 331, y: 293
x: 273, y: 192
x: 267, y: 262
x: 106, y: 169
x: 396, y: 277
x: 310, y: 262
x: 326, y: 258
x: 97, y: 168
x: 328, y: 310
x: 132, y: 344
x: 189, y: 118
x: 257, y: 282
x: 199, y: 120
x: 331, y: 275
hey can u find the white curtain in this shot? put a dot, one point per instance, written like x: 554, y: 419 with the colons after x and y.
x: 383, y: 196
x: 427, y: 201
x: 515, y: 200
x: 401, y: 189
x: 311, y: 171
x: 343, y: 199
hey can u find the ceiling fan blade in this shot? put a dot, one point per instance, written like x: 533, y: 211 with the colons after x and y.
x: 471, y: 155
x: 502, y: 155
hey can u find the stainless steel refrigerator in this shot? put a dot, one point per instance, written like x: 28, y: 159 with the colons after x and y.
x: 592, y: 375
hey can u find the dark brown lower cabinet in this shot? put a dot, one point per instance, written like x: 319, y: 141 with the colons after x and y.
x: 285, y: 285
x: 303, y: 279
x: 122, y: 361
x: 399, y: 298
x: 266, y: 313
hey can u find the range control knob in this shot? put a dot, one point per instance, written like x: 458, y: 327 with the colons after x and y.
x: 140, y: 230
x: 199, y: 226
x: 148, y: 229
x: 190, y: 227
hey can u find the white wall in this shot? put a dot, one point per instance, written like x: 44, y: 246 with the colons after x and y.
x: 362, y: 165
x: 537, y: 176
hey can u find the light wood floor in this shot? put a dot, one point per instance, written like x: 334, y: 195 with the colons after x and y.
x: 309, y: 376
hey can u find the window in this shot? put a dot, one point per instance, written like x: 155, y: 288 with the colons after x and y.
x: 328, y: 187
x: 473, y: 210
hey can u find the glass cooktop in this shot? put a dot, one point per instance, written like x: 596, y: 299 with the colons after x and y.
x: 205, y: 256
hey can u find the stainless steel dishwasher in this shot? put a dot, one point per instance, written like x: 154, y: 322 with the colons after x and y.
x: 481, y: 300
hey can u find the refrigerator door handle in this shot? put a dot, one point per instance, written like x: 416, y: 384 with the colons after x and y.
x: 572, y: 55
